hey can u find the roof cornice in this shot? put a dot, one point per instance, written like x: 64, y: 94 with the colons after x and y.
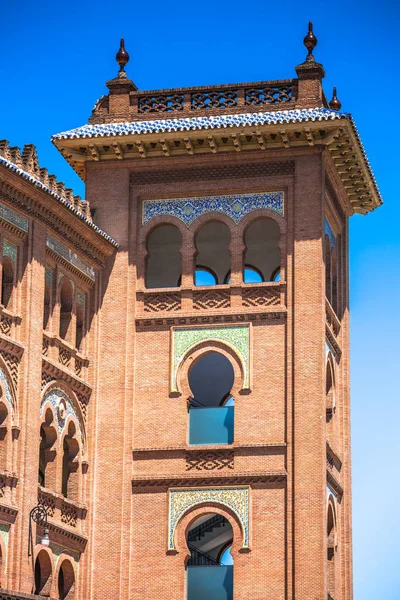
x: 287, y: 129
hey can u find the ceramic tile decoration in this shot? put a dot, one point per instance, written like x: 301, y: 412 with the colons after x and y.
x: 329, y: 232
x: 23, y: 223
x: 236, y: 337
x: 7, y: 392
x: 13, y: 217
x: 10, y: 250
x: 70, y: 256
x: 182, y: 499
x: 236, y: 206
x: 62, y: 406
x: 198, y: 123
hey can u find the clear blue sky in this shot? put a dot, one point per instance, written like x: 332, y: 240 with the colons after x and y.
x: 56, y: 57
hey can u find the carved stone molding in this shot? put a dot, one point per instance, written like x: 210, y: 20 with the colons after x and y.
x: 235, y: 498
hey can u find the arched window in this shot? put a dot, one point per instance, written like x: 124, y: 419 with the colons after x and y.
x: 47, y: 452
x: 331, y: 417
x: 164, y: 261
x: 43, y: 574
x: 66, y: 295
x: 213, y: 258
x: 3, y: 434
x: 262, y: 255
x: 334, y: 279
x: 211, y: 408
x: 328, y: 280
x: 70, y: 466
x: 7, y: 282
x: 210, y: 566
x: 47, y: 305
x: 331, y: 549
x: 79, y: 327
x: 66, y: 581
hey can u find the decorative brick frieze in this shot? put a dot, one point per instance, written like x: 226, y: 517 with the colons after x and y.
x: 209, y: 460
x: 211, y: 319
x: 198, y: 173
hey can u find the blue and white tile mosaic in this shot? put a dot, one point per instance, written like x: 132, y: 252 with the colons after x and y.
x: 70, y: 257
x: 330, y: 233
x: 7, y: 392
x: 198, y: 123
x: 13, y: 217
x: 236, y: 337
x: 63, y: 408
x: 236, y: 206
x: 11, y: 251
x: 181, y: 500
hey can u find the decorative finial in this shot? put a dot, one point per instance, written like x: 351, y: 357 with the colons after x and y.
x: 122, y: 58
x: 310, y: 41
x: 335, y: 103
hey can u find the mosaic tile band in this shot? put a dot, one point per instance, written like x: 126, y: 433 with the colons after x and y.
x: 14, y: 218
x: 7, y: 392
x: 236, y: 337
x: 63, y: 408
x: 236, y: 207
x: 181, y: 500
x: 70, y: 257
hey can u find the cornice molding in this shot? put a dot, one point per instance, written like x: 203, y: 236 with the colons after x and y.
x: 212, y: 479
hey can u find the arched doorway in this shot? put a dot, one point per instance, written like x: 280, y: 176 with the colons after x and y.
x: 210, y: 566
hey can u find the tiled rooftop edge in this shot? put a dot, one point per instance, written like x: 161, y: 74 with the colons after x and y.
x: 198, y: 123
x: 13, y: 167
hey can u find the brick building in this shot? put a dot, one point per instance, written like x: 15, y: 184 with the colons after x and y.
x: 174, y: 360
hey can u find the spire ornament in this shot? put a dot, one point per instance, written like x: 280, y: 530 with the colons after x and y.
x: 335, y: 103
x: 122, y: 58
x: 310, y: 41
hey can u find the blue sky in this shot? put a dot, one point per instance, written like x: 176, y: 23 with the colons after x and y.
x: 56, y: 58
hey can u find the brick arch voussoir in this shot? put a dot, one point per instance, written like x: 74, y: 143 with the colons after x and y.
x: 61, y: 385
x: 202, y: 348
x: 63, y: 559
x: 183, y: 526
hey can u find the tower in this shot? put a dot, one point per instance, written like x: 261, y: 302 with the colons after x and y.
x: 215, y: 346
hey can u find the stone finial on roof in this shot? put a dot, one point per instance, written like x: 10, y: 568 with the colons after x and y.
x: 335, y: 103
x: 310, y: 41
x: 122, y: 58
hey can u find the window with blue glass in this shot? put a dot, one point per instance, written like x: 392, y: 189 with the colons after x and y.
x: 213, y: 257
x: 211, y: 407
x: 210, y: 566
x: 262, y: 254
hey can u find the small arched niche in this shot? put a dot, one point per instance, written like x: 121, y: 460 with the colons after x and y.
x: 213, y: 258
x: 331, y: 549
x: 211, y: 407
x: 210, y: 565
x: 262, y: 255
x: 66, y: 581
x: 164, y: 261
x: 43, y: 574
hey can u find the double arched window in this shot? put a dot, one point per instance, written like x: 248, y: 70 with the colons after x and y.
x: 60, y: 449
